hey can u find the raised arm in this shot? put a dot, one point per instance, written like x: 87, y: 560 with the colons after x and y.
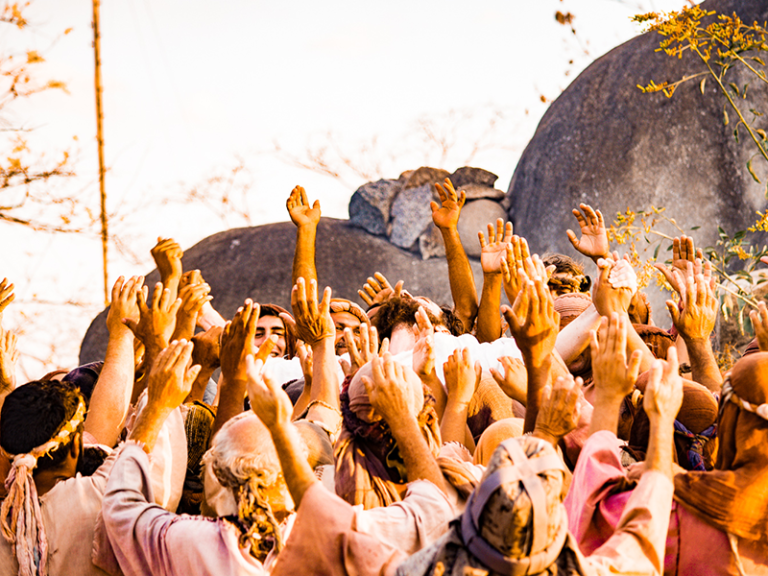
x: 560, y: 409
x: 424, y: 360
x: 461, y: 379
x: 387, y: 392
x: 613, y: 376
x: 206, y: 354
x: 695, y: 321
x: 167, y: 256
x: 306, y: 219
x: 9, y: 356
x: 313, y: 324
x: 494, y: 252
x: 112, y: 395
x: 594, y: 238
x: 273, y: 407
x: 446, y: 218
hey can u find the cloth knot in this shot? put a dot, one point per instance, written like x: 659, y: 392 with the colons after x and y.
x: 26, y: 460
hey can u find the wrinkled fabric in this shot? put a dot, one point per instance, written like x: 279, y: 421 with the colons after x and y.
x: 494, y: 435
x: 732, y: 497
x: 599, y: 495
x: 69, y: 512
x: 147, y: 539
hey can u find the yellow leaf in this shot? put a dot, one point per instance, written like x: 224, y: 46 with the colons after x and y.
x: 33, y: 57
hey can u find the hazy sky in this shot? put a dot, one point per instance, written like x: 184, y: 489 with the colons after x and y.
x: 190, y: 86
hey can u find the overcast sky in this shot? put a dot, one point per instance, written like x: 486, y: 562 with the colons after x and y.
x: 191, y: 86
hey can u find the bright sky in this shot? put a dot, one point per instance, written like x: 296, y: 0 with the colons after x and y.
x: 190, y: 86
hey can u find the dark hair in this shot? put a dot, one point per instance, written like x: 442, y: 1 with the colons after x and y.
x: 33, y: 413
x: 568, y: 275
x: 397, y: 311
x: 290, y: 337
x: 452, y: 321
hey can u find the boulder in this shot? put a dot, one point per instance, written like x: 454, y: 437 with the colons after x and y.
x: 475, y: 191
x: 411, y: 214
x: 425, y: 175
x: 370, y: 205
x: 431, y: 244
x: 475, y: 217
x: 468, y: 175
x: 256, y: 262
x: 606, y: 143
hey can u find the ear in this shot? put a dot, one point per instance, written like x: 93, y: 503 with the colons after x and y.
x: 75, y: 447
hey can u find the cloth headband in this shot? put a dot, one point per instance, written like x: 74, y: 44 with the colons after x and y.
x: 729, y: 395
x: 341, y: 305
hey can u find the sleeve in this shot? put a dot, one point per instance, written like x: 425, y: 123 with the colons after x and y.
x: 148, y: 540
x: 411, y: 524
x: 637, y: 545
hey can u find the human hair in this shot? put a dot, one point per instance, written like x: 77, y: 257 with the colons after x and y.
x: 290, y: 337
x: 248, y: 465
x: 397, y: 311
x: 33, y: 413
x: 568, y: 275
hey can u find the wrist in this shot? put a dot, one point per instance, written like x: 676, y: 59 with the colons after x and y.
x: 544, y: 435
x: 402, y: 424
x: 495, y: 274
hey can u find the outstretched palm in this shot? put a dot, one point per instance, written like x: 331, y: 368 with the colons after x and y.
x: 299, y: 209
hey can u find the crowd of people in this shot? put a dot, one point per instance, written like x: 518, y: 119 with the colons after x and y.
x: 564, y: 434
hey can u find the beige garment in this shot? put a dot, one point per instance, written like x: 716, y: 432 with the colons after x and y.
x: 69, y: 512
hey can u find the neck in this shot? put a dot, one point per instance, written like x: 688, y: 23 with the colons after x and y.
x: 45, y: 480
x: 402, y: 339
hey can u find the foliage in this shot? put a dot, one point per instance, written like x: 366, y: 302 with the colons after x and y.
x: 722, y: 43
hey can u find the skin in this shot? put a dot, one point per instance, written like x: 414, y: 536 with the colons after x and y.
x: 271, y: 326
x: 342, y: 321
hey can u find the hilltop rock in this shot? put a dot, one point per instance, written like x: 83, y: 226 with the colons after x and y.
x: 411, y: 215
x: 468, y: 175
x: 256, y: 263
x: 370, y: 205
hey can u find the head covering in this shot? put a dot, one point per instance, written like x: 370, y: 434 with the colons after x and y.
x: 21, y: 518
x: 514, y: 522
x: 342, y: 305
x: 290, y: 336
x: 85, y: 378
x: 657, y: 339
x: 732, y: 496
x: 570, y: 306
x: 494, y: 435
x: 369, y: 468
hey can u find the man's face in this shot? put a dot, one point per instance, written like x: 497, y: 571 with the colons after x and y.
x: 268, y: 326
x: 342, y: 320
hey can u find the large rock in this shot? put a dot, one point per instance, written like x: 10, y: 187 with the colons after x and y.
x: 476, y: 191
x: 475, y: 217
x: 370, y: 205
x: 256, y: 263
x: 469, y: 175
x: 425, y: 175
x: 606, y: 143
x: 411, y: 214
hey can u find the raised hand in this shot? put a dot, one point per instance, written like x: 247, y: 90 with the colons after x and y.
x: 193, y: 298
x: 605, y: 296
x: 167, y: 255
x: 683, y: 253
x: 388, y: 391
x: 171, y: 376
x: 124, y: 308
x: 299, y: 209
x: 378, y: 290
x: 514, y: 381
x: 446, y: 215
x: 533, y: 321
x: 664, y: 392
x: 6, y: 295
x: 311, y: 321
x: 237, y: 342
x: 695, y: 319
x: 268, y: 400
x: 614, y: 377
x: 190, y: 278
x: 494, y: 250
x: 759, y: 320
x: 423, y: 351
x: 513, y: 269
x: 594, y: 238
x: 304, y: 353
x: 156, y: 322
x: 9, y: 356
x: 207, y: 348
x: 369, y: 347
x: 560, y: 409
x: 461, y: 377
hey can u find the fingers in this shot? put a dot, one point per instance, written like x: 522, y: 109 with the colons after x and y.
x: 384, y: 347
x: 265, y: 349
x: 572, y: 237
x: 365, y: 298
x: 481, y: 238
x: 633, y: 368
x: 354, y: 353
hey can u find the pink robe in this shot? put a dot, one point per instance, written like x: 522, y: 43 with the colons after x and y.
x: 594, y: 505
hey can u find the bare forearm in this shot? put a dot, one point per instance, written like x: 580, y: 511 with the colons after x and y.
x: 420, y: 464
x: 634, y: 342
x: 148, y: 425
x: 605, y: 415
x: 574, y: 338
x: 461, y: 279
x: 304, y: 257
x: 325, y: 375
x: 436, y: 387
x: 199, y: 385
x: 538, y: 372
x: 302, y: 402
x: 704, y: 369
x: 453, y: 424
x: 231, y: 402
x: 660, y: 448
x: 296, y: 471
x: 488, y: 315
x: 209, y: 317
x: 112, y: 394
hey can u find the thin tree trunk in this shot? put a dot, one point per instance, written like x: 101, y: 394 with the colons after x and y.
x: 100, y: 144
